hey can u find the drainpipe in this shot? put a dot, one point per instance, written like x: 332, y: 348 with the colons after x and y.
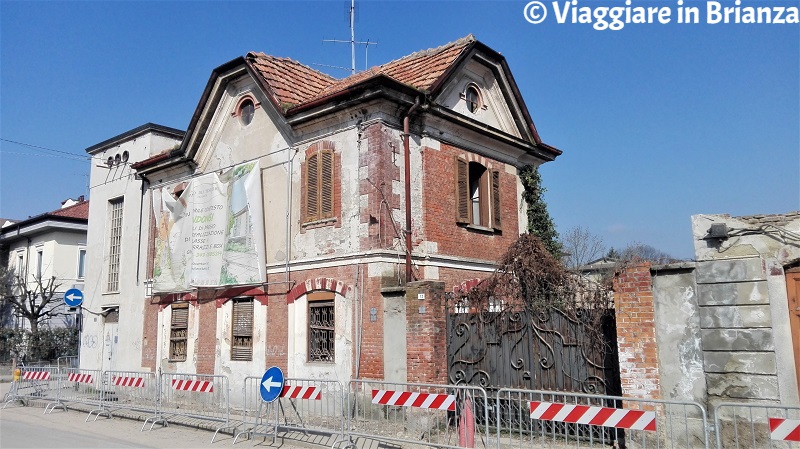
x: 407, y: 152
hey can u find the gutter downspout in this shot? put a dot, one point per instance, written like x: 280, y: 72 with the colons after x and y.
x: 139, y: 243
x: 407, y: 161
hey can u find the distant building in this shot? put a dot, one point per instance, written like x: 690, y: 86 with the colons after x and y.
x: 52, y: 244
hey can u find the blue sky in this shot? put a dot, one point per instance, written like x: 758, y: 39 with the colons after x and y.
x: 657, y: 121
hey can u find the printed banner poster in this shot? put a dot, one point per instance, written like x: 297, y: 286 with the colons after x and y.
x: 212, y: 234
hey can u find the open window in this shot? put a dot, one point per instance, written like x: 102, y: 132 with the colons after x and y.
x: 477, y: 195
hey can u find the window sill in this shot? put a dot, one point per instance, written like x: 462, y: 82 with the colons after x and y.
x: 481, y: 229
x: 319, y: 223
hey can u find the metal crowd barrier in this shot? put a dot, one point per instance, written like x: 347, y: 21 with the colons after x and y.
x: 194, y: 396
x: 751, y: 426
x: 135, y: 391
x: 67, y: 362
x: 38, y: 383
x: 446, y: 416
x: 77, y: 386
x: 525, y: 418
x: 254, y: 412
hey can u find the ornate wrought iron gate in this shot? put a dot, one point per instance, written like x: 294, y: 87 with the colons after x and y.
x: 549, y: 350
x: 572, y: 351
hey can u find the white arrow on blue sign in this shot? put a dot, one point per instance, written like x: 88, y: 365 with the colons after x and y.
x: 73, y: 297
x: 271, y: 384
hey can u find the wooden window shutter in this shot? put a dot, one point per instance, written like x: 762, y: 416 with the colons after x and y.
x: 242, y: 330
x: 462, y: 191
x: 180, y: 316
x: 312, y: 188
x: 326, y: 184
x: 496, y: 199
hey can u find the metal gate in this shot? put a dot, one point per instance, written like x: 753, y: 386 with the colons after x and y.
x: 570, y: 351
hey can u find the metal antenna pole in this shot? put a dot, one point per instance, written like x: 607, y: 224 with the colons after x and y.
x: 353, y: 42
x: 353, y: 36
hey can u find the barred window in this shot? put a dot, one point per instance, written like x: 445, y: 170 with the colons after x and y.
x: 114, y: 244
x: 321, y: 322
x: 178, y: 332
x: 242, y: 329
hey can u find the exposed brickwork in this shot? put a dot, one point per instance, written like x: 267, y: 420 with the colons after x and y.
x: 636, y: 332
x: 439, y: 205
x: 206, y: 337
x: 378, y: 151
x: 426, y: 333
x: 150, y: 333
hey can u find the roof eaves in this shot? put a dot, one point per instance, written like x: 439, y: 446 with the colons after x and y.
x: 127, y: 135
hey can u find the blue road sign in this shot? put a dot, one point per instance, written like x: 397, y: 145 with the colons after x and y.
x: 73, y: 297
x: 271, y: 384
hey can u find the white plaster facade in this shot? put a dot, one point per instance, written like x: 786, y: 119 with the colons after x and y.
x: 48, y: 245
x: 105, y: 344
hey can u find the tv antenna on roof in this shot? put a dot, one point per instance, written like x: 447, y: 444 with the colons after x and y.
x: 353, y: 42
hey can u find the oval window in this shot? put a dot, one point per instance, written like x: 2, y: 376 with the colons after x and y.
x: 473, y: 98
x: 246, y: 111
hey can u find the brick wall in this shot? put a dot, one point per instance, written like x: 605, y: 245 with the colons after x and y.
x: 636, y: 332
x: 150, y: 333
x: 439, y: 198
x: 206, y: 337
x: 378, y: 149
x: 426, y: 333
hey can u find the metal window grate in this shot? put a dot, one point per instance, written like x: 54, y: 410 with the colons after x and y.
x: 321, y: 322
x: 242, y: 330
x: 114, y: 245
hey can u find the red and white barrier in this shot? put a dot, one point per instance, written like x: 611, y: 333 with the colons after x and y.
x: 203, y: 386
x: 294, y: 392
x: 595, y: 416
x: 82, y: 378
x: 36, y: 375
x: 122, y: 381
x: 419, y: 400
x: 784, y: 429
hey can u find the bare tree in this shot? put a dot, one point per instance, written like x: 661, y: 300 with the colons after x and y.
x: 35, y: 300
x: 581, y: 247
x: 637, y: 252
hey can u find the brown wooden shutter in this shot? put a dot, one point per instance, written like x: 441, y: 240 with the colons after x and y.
x: 462, y: 191
x: 180, y: 316
x: 496, y: 199
x: 326, y: 184
x: 242, y: 330
x: 312, y: 188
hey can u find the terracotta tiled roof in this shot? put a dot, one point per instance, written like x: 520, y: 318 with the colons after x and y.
x: 80, y: 210
x: 294, y: 83
x: 419, y: 70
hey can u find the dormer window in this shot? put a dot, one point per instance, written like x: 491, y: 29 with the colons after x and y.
x: 473, y: 98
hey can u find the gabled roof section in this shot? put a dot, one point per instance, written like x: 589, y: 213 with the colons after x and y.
x: 419, y: 70
x: 79, y: 210
x: 294, y: 84
x: 72, y: 218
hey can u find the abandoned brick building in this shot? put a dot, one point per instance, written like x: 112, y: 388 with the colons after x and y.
x: 273, y: 231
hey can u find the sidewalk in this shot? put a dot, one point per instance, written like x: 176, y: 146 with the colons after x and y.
x: 68, y: 429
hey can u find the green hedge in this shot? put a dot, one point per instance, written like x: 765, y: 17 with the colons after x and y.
x: 46, y: 344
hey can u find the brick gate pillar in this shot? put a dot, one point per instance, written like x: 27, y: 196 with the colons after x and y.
x: 636, y: 332
x: 426, y: 332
